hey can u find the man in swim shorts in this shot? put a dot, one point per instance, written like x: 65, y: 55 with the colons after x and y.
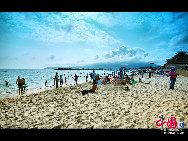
x: 19, y: 82
x: 94, y: 77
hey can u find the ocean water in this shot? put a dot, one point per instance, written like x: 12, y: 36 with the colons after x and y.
x: 36, y: 77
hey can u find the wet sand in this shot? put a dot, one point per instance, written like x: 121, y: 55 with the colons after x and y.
x: 109, y: 107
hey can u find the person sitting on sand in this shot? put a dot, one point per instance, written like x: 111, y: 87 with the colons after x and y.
x: 126, y: 88
x: 91, y: 90
x: 19, y: 82
x: 147, y: 82
x: 107, y: 79
x: 104, y: 80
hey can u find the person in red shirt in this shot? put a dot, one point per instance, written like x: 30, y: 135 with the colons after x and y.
x: 173, y: 76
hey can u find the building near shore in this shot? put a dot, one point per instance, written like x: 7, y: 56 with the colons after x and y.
x: 180, y: 66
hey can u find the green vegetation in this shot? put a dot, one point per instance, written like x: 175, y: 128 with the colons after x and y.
x: 180, y: 57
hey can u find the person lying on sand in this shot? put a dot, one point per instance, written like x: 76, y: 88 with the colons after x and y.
x: 126, y: 88
x: 147, y: 82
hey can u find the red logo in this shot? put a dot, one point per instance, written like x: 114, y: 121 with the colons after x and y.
x: 172, y: 123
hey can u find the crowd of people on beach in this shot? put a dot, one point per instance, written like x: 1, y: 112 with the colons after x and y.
x: 116, y: 78
x: 58, y: 79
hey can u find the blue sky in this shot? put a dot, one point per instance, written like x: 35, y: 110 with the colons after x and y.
x: 42, y: 39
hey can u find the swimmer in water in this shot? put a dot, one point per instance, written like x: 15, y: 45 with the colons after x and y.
x: 6, y: 83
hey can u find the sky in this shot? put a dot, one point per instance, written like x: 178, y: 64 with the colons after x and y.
x: 35, y: 40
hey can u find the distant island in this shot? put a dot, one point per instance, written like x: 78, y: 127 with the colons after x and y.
x: 78, y: 69
x: 61, y: 68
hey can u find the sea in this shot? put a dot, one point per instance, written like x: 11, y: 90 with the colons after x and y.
x: 36, y: 78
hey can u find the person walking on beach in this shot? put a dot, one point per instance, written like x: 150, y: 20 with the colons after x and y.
x: 19, y: 82
x: 56, y: 79
x: 61, y: 80
x: 142, y: 73
x: 173, y: 76
x: 150, y: 72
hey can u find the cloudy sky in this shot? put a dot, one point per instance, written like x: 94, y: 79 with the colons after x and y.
x: 41, y: 39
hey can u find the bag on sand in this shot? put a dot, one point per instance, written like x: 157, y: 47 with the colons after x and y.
x: 84, y: 92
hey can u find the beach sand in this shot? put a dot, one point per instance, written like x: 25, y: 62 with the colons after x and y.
x: 109, y: 107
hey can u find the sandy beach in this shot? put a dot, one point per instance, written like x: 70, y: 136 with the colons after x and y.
x: 109, y: 107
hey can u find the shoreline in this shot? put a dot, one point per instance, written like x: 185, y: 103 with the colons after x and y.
x: 109, y: 107
x: 34, y: 90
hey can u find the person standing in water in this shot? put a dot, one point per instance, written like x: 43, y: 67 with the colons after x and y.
x: 61, y: 80
x: 23, y: 83
x: 19, y: 82
x: 150, y: 72
x: 75, y: 78
x: 6, y: 83
x: 65, y: 79
x: 86, y: 77
x: 56, y: 79
x: 46, y: 83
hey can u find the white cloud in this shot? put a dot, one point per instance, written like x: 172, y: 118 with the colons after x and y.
x: 63, y: 27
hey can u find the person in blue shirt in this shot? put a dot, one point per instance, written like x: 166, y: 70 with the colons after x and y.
x: 94, y: 77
